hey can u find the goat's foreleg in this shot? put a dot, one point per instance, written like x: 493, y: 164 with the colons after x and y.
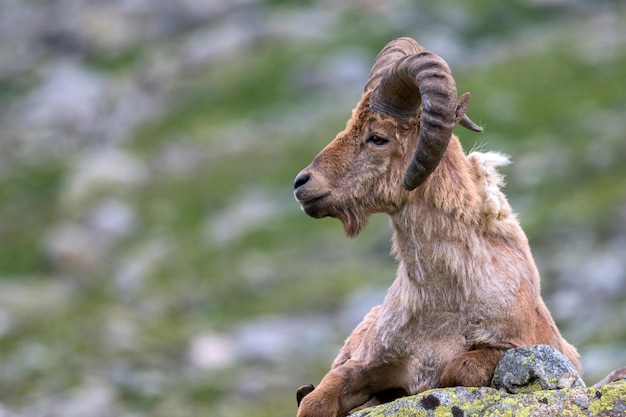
x: 351, y: 383
x: 472, y: 369
x: 347, y: 387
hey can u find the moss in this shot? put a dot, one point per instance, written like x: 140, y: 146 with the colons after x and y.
x: 606, y: 397
x: 488, y: 401
x: 532, y: 387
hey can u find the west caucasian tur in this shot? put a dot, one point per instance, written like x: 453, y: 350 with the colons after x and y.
x: 467, y: 288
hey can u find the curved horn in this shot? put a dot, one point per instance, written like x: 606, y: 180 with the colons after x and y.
x: 392, y: 52
x: 415, y: 79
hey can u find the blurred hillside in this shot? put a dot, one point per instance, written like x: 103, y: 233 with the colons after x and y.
x: 153, y: 261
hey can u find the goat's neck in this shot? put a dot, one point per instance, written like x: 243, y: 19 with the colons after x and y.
x: 430, y: 252
x: 436, y: 231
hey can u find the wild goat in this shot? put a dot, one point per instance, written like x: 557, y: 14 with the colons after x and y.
x: 467, y: 288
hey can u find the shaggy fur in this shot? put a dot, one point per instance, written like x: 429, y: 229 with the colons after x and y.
x: 466, y: 289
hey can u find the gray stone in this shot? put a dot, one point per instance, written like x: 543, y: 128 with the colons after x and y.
x: 535, y: 368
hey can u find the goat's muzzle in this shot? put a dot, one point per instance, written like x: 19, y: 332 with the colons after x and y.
x: 307, y: 192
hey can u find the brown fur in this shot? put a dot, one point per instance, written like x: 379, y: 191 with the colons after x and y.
x: 467, y: 288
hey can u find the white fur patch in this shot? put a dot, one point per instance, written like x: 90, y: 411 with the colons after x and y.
x: 495, y: 159
x: 495, y: 204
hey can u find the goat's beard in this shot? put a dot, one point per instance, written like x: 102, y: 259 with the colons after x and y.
x: 353, y: 220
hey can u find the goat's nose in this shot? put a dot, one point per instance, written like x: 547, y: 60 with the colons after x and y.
x: 301, y: 179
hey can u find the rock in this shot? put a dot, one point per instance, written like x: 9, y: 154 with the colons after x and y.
x: 113, y: 218
x: 531, y: 380
x: 249, y: 213
x: 74, y: 247
x: 211, y: 351
x: 107, y: 170
x: 139, y: 265
x: 272, y: 339
x: 69, y: 97
x: 535, y: 368
x: 608, y: 400
x: 94, y: 398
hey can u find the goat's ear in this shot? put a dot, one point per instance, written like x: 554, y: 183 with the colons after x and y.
x: 303, y: 391
x: 463, y: 119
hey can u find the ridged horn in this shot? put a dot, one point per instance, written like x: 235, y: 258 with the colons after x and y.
x: 404, y: 77
x: 392, y: 52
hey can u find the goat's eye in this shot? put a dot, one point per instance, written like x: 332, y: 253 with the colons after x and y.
x: 377, y: 140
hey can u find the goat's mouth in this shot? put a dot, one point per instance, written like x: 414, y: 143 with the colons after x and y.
x: 314, y: 206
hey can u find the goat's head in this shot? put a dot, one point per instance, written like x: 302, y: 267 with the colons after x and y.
x: 400, y: 129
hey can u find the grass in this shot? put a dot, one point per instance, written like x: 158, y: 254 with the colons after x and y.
x: 27, y: 201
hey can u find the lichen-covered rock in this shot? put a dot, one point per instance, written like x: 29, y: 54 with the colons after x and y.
x: 528, y: 381
x: 608, y: 400
x: 535, y: 368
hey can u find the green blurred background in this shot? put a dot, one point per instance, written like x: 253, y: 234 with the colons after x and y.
x: 153, y: 261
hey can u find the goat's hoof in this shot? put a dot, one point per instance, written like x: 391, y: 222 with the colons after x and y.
x: 303, y: 391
